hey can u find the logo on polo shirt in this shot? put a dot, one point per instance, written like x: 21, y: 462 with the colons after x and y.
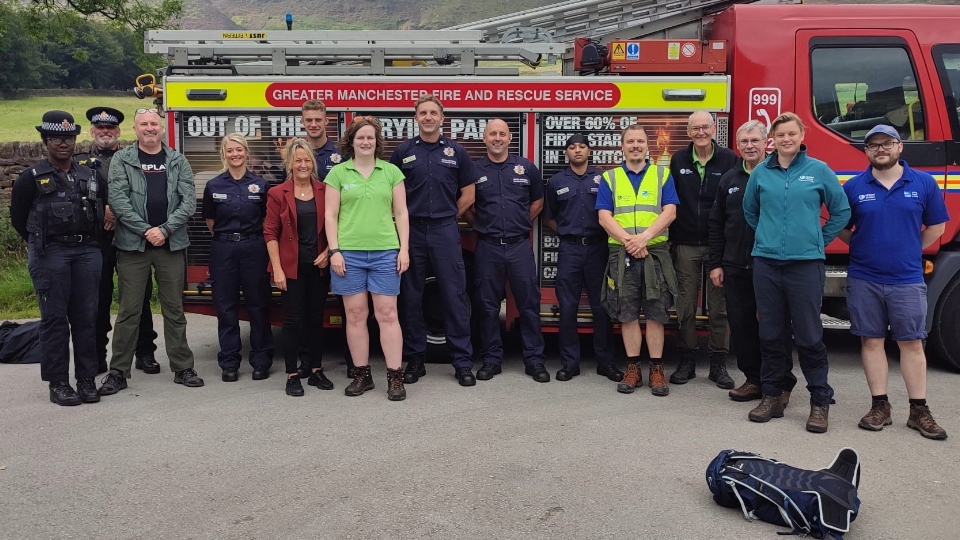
x: 733, y: 190
x: 911, y: 195
x: 805, y: 178
x: 686, y: 171
x: 482, y: 179
x: 865, y: 197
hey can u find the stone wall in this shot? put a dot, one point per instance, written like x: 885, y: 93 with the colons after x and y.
x: 17, y: 156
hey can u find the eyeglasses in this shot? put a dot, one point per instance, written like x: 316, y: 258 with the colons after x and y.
x: 704, y: 127
x: 141, y: 111
x: 888, y: 145
x: 371, y: 119
x: 57, y: 141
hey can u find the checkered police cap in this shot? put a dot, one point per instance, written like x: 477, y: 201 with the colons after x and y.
x: 58, y: 123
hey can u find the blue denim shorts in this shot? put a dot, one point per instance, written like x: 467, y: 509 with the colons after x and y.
x: 374, y: 271
x: 874, y: 307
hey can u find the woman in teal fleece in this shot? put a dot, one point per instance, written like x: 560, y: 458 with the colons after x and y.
x: 783, y: 201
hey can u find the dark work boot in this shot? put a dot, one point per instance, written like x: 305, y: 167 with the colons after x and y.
x: 718, y: 372
x: 62, y: 393
x: 362, y: 381
x: 395, y: 389
x: 87, y: 390
x: 686, y: 369
x: 415, y: 369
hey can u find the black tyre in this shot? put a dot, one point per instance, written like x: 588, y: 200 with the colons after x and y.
x: 944, y: 338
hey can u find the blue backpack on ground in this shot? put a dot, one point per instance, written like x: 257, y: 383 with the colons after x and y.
x: 819, y: 503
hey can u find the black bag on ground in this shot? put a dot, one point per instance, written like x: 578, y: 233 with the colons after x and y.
x: 19, y: 343
x: 818, y: 503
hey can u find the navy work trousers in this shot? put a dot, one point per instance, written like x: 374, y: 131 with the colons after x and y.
x: 582, y: 267
x: 792, y: 292
x: 234, y: 267
x: 745, y: 328
x: 435, y: 244
x: 145, y: 339
x: 66, y: 278
x: 514, y: 262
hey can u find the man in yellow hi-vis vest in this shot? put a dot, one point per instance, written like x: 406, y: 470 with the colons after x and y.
x: 636, y: 203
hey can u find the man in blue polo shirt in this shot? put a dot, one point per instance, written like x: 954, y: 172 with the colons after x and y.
x: 891, y: 204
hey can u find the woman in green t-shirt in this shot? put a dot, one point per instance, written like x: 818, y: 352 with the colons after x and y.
x: 367, y: 230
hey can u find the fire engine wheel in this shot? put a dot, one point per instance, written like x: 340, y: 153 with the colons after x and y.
x: 945, y: 337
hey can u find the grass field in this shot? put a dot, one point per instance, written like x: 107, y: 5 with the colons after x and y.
x: 18, y: 117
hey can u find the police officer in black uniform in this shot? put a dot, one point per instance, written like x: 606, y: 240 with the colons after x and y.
x: 57, y: 207
x: 570, y: 203
x: 509, y: 197
x: 105, y: 131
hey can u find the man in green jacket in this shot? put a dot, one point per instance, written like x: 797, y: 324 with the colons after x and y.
x: 152, y: 196
x: 782, y: 203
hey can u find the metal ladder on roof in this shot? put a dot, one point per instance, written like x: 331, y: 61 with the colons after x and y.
x: 339, y: 52
x: 603, y: 20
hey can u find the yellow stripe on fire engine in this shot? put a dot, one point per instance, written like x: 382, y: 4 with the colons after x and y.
x: 239, y: 95
x: 674, y: 95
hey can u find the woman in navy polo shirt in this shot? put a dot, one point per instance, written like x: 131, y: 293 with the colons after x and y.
x: 234, y: 204
x: 297, y: 244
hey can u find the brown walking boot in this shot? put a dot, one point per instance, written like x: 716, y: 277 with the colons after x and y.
x: 362, y: 381
x: 878, y: 416
x: 922, y: 421
x: 817, y: 422
x: 395, y: 389
x: 785, y: 399
x: 746, y: 392
x: 658, y: 381
x: 631, y: 380
x: 769, y: 407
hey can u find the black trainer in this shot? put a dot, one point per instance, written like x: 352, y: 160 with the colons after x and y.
x: 112, y: 383
x: 294, y: 388
x: 62, y: 393
x: 188, y: 377
x: 318, y: 379
x: 87, y: 390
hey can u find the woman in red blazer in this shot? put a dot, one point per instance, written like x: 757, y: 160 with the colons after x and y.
x: 297, y: 245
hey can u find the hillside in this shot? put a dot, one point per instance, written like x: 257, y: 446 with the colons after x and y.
x: 370, y: 14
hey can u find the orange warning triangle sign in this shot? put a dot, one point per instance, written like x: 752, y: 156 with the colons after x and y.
x: 618, y: 49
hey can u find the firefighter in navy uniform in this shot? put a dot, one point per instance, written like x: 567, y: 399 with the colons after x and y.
x: 57, y: 207
x: 570, y: 204
x: 435, y: 169
x: 105, y: 131
x: 509, y: 197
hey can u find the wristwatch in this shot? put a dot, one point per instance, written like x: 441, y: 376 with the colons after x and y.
x: 333, y: 250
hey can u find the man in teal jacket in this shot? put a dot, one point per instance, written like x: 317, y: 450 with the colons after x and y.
x: 782, y: 203
x: 152, y: 196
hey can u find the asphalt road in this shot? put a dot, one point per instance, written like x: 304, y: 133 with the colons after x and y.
x: 509, y: 458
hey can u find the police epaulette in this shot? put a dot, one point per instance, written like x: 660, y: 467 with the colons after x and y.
x: 42, y: 168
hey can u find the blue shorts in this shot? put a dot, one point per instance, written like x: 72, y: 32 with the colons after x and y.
x: 874, y: 307
x: 374, y: 271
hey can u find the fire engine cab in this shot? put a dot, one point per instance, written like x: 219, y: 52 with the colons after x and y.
x: 842, y: 68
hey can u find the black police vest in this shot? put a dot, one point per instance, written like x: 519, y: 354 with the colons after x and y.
x: 60, y: 208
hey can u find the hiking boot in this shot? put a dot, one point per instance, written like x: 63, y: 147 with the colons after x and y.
x: 362, y: 381
x: 62, y: 393
x: 658, y: 381
x: 188, y: 377
x: 395, y: 389
x: 878, y: 416
x: 686, y: 369
x: 747, y: 392
x: 148, y: 364
x: 817, y: 422
x: 769, y: 407
x: 785, y: 398
x: 87, y: 390
x: 922, y: 421
x: 718, y: 372
x: 631, y: 379
x: 112, y: 383
x: 415, y: 369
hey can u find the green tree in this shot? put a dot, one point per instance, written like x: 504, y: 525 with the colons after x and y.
x: 24, y: 65
x: 139, y: 15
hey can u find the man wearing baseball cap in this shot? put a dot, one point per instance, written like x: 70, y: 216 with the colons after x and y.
x: 570, y: 202
x: 57, y: 208
x: 105, y: 132
x: 896, y: 212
